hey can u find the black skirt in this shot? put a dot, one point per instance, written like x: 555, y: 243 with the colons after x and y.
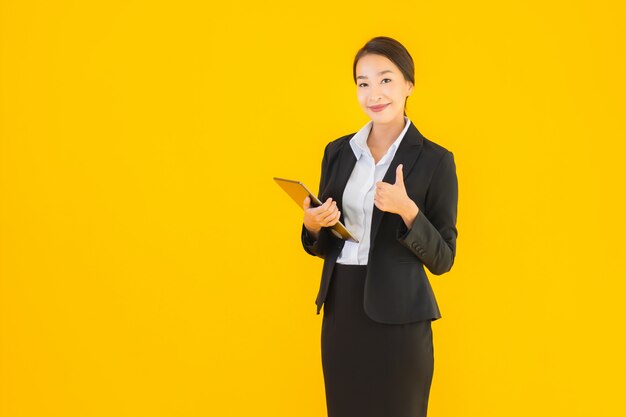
x: 372, y: 369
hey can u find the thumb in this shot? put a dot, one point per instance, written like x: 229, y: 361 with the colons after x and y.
x: 307, y: 202
x: 399, y: 176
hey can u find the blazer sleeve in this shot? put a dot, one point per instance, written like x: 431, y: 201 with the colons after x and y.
x: 317, y: 247
x: 433, y: 239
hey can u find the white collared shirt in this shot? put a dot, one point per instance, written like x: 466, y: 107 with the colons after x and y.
x: 358, y: 196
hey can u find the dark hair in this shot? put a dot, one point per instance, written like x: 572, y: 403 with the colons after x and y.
x: 394, y: 51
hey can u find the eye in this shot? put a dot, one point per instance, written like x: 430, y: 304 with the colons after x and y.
x: 364, y: 84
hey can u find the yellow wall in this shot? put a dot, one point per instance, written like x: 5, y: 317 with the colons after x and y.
x: 149, y: 266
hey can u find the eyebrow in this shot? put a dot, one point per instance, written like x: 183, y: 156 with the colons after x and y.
x: 380, y: 73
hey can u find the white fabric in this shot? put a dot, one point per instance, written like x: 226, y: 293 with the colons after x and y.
x: 358, y: 196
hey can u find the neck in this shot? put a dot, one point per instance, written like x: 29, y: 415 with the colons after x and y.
x: 384, y: 134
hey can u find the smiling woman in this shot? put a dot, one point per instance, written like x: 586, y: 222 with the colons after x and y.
x: 400, y: 68
x: 396, y: 192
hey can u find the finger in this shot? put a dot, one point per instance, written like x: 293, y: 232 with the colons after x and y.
x: 307, y: 202
x: 324, y: 207
x: 331, y: 208
x: 379, y: 202
x: 334, y: 218
x: 329, y: 214
x: 321, y: 214
x: 399, y: 176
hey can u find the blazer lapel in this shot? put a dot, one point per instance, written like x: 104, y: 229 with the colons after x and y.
x: 346, y: 162
x: 406, y: 154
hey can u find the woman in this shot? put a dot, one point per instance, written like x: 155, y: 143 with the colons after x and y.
x: 397, y: 193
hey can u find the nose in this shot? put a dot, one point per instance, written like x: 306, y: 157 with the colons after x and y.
x: 375, y: 94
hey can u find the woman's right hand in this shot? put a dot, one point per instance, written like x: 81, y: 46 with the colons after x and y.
x: 325, y: 215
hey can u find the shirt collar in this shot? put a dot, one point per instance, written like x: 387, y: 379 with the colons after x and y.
x: 359, y: 140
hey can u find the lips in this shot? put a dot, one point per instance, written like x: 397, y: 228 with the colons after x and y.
x: 379, y: 108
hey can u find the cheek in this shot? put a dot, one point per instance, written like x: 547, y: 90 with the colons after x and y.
x: 396, y: 93
x: 361, y: 96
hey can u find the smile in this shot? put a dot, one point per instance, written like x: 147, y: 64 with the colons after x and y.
x: 379, y: 108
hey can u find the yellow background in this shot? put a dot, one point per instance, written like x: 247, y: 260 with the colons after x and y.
x: 151, y: 267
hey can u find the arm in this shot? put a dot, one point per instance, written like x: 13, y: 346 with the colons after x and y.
x: 314, y: 245
x: 433, y: 239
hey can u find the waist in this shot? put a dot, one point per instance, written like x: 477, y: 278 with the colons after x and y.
x: 349, y: 266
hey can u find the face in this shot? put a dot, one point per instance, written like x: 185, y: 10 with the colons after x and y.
x: 380, y: 82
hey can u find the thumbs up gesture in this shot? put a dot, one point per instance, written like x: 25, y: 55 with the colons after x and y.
x: 393, y: 197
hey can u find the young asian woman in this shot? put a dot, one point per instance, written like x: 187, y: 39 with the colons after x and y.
x: 397, y: 191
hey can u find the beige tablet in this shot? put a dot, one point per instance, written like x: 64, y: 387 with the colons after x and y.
x: 298, y: 192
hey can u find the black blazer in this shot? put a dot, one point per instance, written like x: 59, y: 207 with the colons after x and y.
x: 397, y: 290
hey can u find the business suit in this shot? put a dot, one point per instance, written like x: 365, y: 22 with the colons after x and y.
x: 397, y: 290
x: 377, y: 344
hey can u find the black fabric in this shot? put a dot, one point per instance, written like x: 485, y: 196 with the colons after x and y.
x: 397, y: 289
x: 372, y: 369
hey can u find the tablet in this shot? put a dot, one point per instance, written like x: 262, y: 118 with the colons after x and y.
x: 298, y: 192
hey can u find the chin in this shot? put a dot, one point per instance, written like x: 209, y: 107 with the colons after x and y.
x: 381, y: 118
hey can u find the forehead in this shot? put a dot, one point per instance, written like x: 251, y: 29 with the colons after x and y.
x: 373, y: 65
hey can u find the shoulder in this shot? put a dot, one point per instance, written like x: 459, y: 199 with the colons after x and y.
x: 435, y: 152
x: 334, y: 146
x: 434, y: 148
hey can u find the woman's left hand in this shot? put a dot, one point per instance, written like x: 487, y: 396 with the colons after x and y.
x: 393, y: 197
